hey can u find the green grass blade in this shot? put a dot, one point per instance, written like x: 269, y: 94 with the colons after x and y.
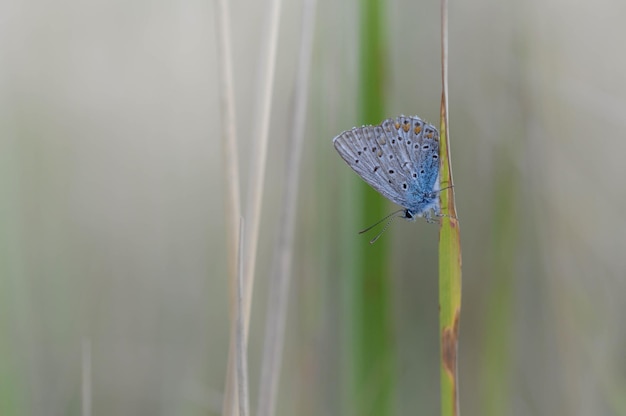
x: 496, y: 362
x: 449, y: 291
x: 372, y: 354
x: 449, y: 252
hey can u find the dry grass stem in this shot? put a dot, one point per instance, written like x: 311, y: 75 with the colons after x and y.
x: 283, y: 252
x: 242, y: 350
x: 231, y: 168
x: 259, y: 156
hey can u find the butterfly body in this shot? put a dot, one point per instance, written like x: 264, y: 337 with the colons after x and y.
x: 400, y: 159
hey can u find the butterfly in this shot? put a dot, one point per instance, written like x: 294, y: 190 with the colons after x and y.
x: 400, y: 159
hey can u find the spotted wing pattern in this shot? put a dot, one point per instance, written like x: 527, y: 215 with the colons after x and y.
x: 399, y: 158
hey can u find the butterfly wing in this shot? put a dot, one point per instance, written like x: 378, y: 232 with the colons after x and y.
x: 428, y: 160
x: 425, y: 157
x: 388, y: 157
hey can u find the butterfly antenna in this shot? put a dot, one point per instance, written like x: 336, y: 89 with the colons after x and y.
x: 378, y: 222
x: 387, y: 218
x: 373, y: 240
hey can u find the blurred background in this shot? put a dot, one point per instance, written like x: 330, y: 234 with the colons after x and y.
x: 112, y: 234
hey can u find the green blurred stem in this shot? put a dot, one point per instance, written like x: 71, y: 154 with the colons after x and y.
x: 371, y: 348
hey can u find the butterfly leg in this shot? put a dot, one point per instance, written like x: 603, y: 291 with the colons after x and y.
x: 439, y: 214
x: 428, y: 217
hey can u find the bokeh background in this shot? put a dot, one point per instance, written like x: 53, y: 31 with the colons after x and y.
x: 112, y: 237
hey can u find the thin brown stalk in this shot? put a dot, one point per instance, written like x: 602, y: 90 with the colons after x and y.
x: 259, y: 156
x: 229, y: 135
x: 283, y: 251
x: 231, y: 167
x: 242, y: 354
x: 444, y: 67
